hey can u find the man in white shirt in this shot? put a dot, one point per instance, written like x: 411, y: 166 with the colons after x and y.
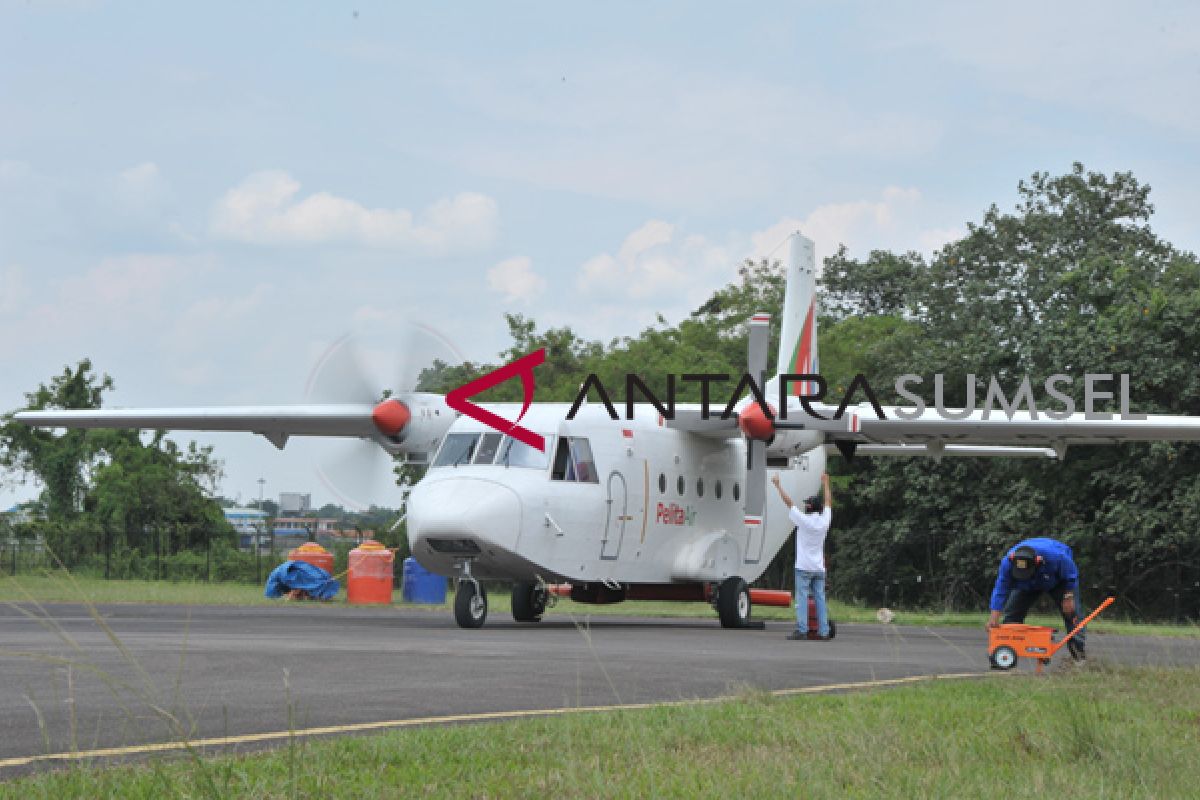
x: 812, y: 525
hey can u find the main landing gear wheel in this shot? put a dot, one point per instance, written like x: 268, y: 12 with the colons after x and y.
x: 529, y: 601
x: 1004, y: 657
x: 470, y: 604
x: 733, y: 603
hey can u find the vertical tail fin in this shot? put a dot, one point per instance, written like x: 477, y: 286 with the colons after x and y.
x: 798, y: 339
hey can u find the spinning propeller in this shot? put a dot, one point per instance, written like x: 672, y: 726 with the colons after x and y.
x: 377, y: 365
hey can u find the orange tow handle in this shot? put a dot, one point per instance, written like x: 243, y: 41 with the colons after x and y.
x: 1108, y: 602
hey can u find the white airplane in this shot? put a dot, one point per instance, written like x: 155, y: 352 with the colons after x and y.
x: 651, y: 505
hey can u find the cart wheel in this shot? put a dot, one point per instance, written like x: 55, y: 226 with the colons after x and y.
x: 1004, y: 657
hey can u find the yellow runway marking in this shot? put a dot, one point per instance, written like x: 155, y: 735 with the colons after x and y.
x: 483, y: 716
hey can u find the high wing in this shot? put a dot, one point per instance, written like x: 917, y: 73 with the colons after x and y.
x: 414, y: 423
x: 277, y: 423
x: 1023, y: 428
x: 953, y: 450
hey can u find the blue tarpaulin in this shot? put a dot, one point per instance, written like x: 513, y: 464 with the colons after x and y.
x: 292, y: 575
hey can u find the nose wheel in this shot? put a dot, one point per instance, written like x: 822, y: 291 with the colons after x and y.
x: 470, y: 600
x: 470, y: 604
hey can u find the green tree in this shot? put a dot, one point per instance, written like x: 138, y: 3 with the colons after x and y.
x: 59, y: 462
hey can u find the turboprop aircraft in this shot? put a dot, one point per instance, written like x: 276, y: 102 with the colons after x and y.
x: 648, y: 506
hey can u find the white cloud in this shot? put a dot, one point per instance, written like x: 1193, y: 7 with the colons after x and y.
x: 118, y: 293
x: 145, y: 178
x: 516, y: 280
x: 651, y: 263
x: 139, y: 192
x: 659, y: 269
x: 888, y: 222
x: 266, y: 208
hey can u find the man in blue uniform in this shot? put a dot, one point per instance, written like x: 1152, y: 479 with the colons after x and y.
x: 1030, y: 568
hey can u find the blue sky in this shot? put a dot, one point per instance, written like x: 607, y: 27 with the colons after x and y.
x: 203, y: 199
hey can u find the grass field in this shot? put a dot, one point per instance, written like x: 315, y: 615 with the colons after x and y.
x: 62, y: 587
x: 1098, y: 733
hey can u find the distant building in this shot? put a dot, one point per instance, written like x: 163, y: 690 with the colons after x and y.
x: 293, y: 531
x: 250, y: 524
x: 21, y: 514
x: 294, y: 503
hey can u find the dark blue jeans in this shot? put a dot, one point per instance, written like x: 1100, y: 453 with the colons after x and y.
x: 811, y: 583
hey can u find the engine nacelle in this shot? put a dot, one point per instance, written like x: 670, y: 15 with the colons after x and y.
x: 788, y: 443
x: 415, y: 424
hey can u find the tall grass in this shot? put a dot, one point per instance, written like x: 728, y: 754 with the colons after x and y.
x: 1101, y: 733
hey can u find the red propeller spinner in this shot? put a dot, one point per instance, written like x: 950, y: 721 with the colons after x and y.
x: 390, y: 417
x: 755, y: 423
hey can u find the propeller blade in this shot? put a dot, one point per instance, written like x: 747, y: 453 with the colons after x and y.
x: 357, y: 473
x: 754, y: 419
x: 384, y: 355
x: 757, y: 346
x: 341, y: 375
x: 756, y: 478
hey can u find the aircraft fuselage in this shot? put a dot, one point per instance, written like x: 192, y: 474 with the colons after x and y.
x: 626, y: 501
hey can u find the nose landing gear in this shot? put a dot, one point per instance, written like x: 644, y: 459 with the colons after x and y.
x: 470, y: 600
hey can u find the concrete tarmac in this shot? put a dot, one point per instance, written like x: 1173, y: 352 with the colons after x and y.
x: 153, y: 673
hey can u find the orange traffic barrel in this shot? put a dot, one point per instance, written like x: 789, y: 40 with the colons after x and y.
x: 369, y: 579
x: 313, y: 553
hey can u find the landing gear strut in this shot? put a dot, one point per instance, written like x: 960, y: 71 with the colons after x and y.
x: 470, y: 600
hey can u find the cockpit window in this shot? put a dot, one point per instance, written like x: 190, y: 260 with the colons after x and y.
x: 573, y: 461
x: 488, y: 445
x: 519, y: 454
x: 457, y: 450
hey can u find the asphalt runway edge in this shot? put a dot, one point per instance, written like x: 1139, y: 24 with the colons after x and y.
x: 449, y: 719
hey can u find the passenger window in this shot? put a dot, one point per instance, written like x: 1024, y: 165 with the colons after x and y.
x: 662, y: 483
x: 700, y: 487
x: 737, y: 493
x: 519, y: 454
x: 717, y: 490
x: 573, y: 461
x: 458, y: 448
x: 488, y: 445
x: 680, y: 485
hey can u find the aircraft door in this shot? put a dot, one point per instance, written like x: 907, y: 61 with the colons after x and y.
x: 618, y: 516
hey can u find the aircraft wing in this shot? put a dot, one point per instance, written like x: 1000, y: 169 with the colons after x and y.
x: 1022, y: 429
x: 276, y: 423
x: 690, y: 420
x: 940, y: 451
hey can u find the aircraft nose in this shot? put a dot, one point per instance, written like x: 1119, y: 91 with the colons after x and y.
x: 464, y: 509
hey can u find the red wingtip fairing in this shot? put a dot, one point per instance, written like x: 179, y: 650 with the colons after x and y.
x: 390, y: 417
x: 755, y: 423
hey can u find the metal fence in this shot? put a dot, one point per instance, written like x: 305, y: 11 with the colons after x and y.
x: 216, y: 561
